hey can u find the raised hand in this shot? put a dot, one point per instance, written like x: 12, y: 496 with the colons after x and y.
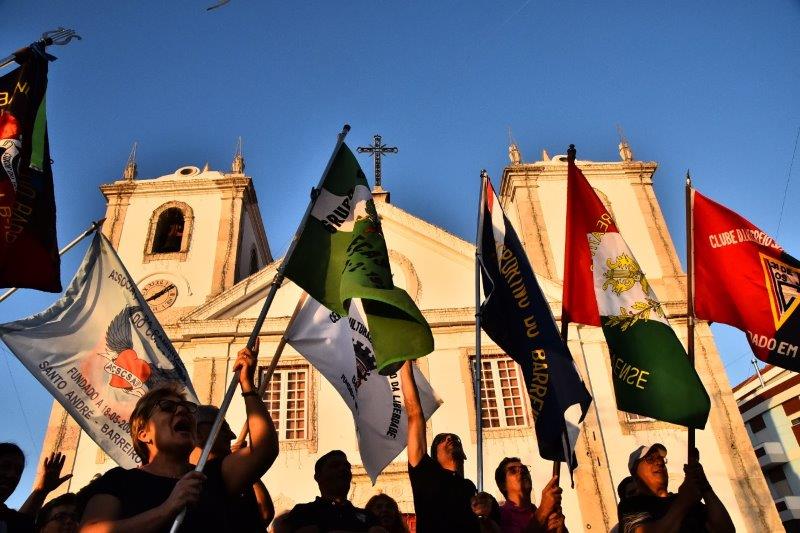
x: 482, y: 504
x: 551, y: 501
x: 49, y: 476
x: 246, y: 360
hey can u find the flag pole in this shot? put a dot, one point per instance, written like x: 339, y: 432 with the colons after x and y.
x: 476, y: 378
x: 274, y: 286
x: 690, y: 295
x: 262, y: 386
x: 571, y: 153
x: 91, y: 229
x: 58, y: 36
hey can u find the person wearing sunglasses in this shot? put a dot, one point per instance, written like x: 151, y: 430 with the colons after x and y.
x: 163, y: 428
x: 442, y: 496
x: 695, y: 508
x: 518, y: 514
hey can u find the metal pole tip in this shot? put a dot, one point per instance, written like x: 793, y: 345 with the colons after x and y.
x: 571, y: 152
x: 346, y: 127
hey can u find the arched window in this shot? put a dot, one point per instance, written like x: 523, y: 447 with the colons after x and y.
x: 253, y: 261
x: 169, y: 232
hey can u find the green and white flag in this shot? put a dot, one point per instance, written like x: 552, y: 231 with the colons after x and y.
x: 652, y: 374
x: 341, y: 254
x: 605, y: 286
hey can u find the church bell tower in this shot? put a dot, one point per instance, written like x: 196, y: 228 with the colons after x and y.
x: 188, y: 235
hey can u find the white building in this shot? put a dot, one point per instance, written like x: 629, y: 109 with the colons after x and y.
x: 770, y: 407
x: 219, y: 266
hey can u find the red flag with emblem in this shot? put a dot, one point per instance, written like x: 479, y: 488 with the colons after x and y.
x: 743, y: 278
x: 28, y: 245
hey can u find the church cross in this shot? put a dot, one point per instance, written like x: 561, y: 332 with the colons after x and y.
x: 377, y: 149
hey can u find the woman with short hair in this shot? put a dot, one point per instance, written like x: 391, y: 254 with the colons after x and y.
x: 163, y: 428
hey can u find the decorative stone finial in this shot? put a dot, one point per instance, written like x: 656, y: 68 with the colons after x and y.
x: 237, y: 167
x: 625, y: 152
x: 206, y: 167
x: 130, y: 172
x: 514, y: 155
x: 545, y: 155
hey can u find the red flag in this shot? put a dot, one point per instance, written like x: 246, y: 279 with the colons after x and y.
x: 743, y: 278
x: 587, y: 218
x: 28, y: 246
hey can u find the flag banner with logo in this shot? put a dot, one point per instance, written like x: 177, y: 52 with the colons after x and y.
x: 743, y: 278
x: 98, y: 349
x: 28, y: 248
x: 604, y: 285
x: 341, y: 254
x: 516, y: 316
x: 340, y: 347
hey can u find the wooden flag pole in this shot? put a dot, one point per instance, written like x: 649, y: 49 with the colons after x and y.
x: 267, y: 377
x: 478, y: 370
x: 691, y: 457
x: 276, y: 283
x: 91, y: 229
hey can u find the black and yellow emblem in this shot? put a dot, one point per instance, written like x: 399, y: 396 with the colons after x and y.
x: 783, y: 287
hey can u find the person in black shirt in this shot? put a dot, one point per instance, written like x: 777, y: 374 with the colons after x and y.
x: 331, y: 511
x: 442, y: 497
x: 147, y: 499
x: 242, y: 510
x: 653, y: 508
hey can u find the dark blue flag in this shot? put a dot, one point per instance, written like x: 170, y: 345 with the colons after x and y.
x: 516, y: 316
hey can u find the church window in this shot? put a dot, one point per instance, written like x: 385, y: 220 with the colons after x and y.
x: 253, y: 261
x: 170, y: 232
x: 286, y: 398
x: 502, y: 396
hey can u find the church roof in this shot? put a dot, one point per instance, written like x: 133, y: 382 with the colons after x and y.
x: 436, y: 267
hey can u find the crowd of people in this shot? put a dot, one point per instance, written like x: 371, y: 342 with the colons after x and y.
x: 169, y: 433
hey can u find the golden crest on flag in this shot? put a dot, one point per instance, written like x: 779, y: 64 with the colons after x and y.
x: 623, y: 274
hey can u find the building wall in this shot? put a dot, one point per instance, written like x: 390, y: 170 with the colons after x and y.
x: 772, y: 417
x: 437, y: 269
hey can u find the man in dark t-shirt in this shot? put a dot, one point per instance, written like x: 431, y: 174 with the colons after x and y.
x: 654, y: 508
x: 331, y: 511
x: 442, y: 497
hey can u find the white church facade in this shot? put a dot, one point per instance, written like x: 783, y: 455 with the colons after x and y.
x: 195, y: 239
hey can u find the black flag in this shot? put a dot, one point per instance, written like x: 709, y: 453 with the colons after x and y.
x: 516, y: 316
x: 28, y: 246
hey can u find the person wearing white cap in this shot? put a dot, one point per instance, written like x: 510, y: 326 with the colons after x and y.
x: 695, y: 508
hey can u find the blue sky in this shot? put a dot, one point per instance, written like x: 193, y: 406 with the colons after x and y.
x: 710, y: 86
